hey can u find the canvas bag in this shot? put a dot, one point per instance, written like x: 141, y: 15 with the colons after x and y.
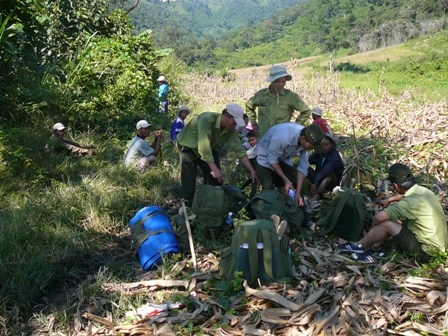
x: 257, y: 251
x: 271, y: 202
x: 211, y: 204
x: 344, y: 216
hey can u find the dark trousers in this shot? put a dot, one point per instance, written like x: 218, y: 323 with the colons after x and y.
x: 326, y: 184
x: 188, y: 172
x: 269, y: 180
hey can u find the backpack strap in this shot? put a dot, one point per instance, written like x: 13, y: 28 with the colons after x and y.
x: 268, y: 253
x: 359, y: 205
x: 140, y: 234
x: 253, y: 254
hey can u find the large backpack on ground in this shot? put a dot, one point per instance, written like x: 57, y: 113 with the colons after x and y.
x: 258, y: 253
x: 211, y: 204
x: 345, y: 215
x: 152, y: 236
x: 272, y: 202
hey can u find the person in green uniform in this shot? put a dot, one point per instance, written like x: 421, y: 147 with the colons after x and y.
x: 198, y: 144
x: 413, y: 218
x: 275, y: 104
x: 58, y: 144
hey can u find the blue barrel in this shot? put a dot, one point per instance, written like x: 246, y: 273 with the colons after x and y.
x: 156, y: 244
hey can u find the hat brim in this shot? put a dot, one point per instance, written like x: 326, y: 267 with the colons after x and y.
x: 270, y: 79
x: 319, y: 148
x: 239, y: 122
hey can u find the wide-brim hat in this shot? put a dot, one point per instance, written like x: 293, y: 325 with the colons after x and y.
x: 315, y: 136
x: 278, y: 71
x: 183, y: 108
x: 317, y: 111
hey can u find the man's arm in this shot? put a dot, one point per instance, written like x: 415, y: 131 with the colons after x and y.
x: 251, y: 111
x: 299, y: 105
x: 246, y: 162
x: 157, y: 143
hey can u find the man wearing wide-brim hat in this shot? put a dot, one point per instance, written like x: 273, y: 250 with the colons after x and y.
x: 413, y: 218
x: 275, y: 104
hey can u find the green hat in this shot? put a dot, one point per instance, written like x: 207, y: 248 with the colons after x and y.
x: 315, y: 136
x: 399, y: 173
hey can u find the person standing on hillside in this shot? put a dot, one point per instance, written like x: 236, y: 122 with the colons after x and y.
x: 318, y: 119
x: 57, y: 144
x: 198, y: 144
x: 275, y: 104
x: 164, y: 90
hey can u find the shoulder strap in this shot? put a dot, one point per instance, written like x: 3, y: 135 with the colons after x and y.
x: 140, y: 234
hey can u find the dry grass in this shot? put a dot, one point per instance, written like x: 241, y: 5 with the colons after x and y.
x: 331, y: 294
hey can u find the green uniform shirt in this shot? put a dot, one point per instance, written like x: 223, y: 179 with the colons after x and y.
x: 203, y: 132
x: 421, y: 212
x: 63, y: 146
x: 276, y: 110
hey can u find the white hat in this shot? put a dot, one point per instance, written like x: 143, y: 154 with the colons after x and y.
x: 183, y: 108
x: 278, y: 71
x: 317, y: 111
x: 142, y: 124
x: 161, y: 79
x: 59, y: 127
x: 236, y: 111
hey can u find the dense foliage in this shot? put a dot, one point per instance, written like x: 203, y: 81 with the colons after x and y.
x: 319, y: 26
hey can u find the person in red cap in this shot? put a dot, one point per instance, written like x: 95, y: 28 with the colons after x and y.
x: 58, y: 144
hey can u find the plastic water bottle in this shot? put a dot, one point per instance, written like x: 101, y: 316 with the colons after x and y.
x: 229, y: 219
x: 292, y: 193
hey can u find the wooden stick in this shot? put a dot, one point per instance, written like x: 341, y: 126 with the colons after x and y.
x: 190, y: 237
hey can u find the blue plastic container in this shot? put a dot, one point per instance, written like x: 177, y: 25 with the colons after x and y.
x: 155, y: 246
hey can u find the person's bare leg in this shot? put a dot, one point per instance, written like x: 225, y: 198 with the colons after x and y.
x: 379, y: 233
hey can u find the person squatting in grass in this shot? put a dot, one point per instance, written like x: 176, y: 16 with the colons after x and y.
x: 329, y: 168
x: 413, y: 218
x: 179, y: 123
x: 58, y: 144
x: 198, y: 144
x: 275, y: 104
x: 140, y: 154
x: 275, y: 151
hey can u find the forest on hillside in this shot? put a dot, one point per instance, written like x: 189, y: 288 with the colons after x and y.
x: 311, y: 28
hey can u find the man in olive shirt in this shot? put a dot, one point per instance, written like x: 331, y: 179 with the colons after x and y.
x: 198, y: 143
x: 275, y: 104
x: 414, y: 219
x: 58, y: 144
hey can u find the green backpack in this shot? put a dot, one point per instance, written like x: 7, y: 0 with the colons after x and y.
x: 211, y: 204
x: 359, y: 178
x: 257, y: 251
x: 344, y: 216
x: 269, y: 202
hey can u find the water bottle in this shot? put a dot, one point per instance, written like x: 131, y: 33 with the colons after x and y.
x: 292, y: 193
x: 229, y: 219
